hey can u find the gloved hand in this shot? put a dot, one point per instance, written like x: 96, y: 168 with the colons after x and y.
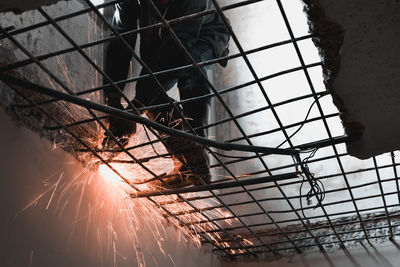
x: 120, y: 128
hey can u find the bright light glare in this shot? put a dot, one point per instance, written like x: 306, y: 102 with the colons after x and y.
x: 109, y: 175
x: 114, y: 181
x: 97, y: 2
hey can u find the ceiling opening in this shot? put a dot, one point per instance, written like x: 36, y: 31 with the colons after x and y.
x: 282, y: 180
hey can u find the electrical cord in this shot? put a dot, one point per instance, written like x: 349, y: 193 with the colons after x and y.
x: 293, y: 134
x: 317, y: 187
x: 304, y: 121
x: 129, y: 116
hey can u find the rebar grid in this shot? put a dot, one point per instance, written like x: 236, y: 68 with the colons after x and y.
x: 268, y: 224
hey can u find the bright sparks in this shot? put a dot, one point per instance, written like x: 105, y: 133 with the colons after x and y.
x: 118, y: 225
x: 122, y: 226
x: 109, y: 175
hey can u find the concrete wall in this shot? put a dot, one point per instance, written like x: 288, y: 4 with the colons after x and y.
x: 20, y: 6
x: 71, y: 69
x: 366, y: 82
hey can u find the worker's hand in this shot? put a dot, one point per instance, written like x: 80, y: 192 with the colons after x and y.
x: 118, y: 129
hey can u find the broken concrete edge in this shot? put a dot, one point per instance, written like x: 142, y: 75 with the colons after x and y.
x: 31, y: 118
x: 328, y: 38
x: 19, y: 7
x: 13, y: 97
x: 322, y: 230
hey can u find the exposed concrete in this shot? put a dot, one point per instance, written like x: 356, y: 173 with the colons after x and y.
x: 349, y: 227
x: 20, y: 6
x: 71, y: 69
x: 368, y: 255
x: 366, y: 83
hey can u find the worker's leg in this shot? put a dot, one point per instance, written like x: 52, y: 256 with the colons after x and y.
x: 117, y: 55
x: 195, y: 169
x: 193, y: 84
x: 116, y: 65
x: 190, y: 83
x: 117, y: 59
x: 150, y: 92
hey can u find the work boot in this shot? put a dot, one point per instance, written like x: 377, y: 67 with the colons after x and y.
x: 120, y: 128
x: 195, y: 166
x: 191, y: 164
x: 196, y: 111
x: 195, y: 154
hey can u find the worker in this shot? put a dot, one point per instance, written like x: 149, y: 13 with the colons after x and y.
x: 204, y: 37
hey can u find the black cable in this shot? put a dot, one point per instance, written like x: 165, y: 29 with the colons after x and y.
x: 138, y: 119
x: 304, y: 121
x: 300, y: 127
x: 233, y: 157
x: 317, y: 187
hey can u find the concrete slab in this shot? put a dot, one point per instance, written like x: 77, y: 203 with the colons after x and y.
x: 20, y: 6
x: 359, y: 42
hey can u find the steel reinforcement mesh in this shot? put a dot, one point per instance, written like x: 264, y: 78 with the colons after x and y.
x: 305, y: 194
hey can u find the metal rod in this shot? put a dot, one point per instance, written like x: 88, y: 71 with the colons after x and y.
x: 311, y: 85
x: 99, y: 70
x: 320, y: 227
x: 61, y: 18
x: 157, y: 82
x: 210, y: 95
x: 217, y: 186
x: 261, y: 87
x: 108, y: 4
x: 286, y: 221
x: 129, y: 116
x: 382, y: 195
x: 350, y: 240
x: 392, y: 155
x: 288, y: 211
x: 205, y: 236
x: 291, y: 197
x: 309, y: 232
x: 195, y: 65
x: 323, y: 235
x: 224, y: 91
x: 339, y: 214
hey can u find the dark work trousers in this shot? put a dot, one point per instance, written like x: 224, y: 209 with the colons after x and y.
x: 190, y: 82
x: 147, y: 90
